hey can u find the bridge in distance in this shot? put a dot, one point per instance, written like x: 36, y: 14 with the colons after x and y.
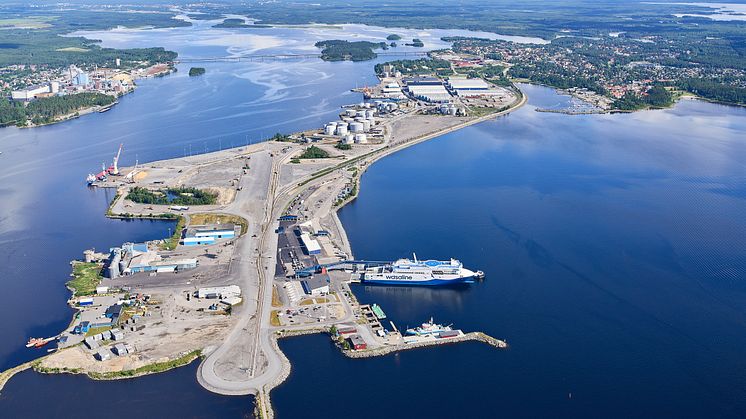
x: 267, y: 57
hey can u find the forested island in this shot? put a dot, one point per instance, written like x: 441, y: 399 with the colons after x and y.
x: 196, y: 71
x: 415, y: 43
x: 340, y: 50
x: 47, y: 110
x: 418, y: 67
x: 238, y: 23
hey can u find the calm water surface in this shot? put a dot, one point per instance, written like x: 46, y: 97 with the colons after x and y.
x: 615, y: 253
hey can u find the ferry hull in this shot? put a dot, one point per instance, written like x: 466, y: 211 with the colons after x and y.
x: 426, y: 283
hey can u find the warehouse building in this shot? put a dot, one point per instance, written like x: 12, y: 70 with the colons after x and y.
x: 316, y: 285
x: 430, y: 93
x: 311, y: 246
x: 219, y: 292
x: 422, y: 81
x: 208, y: 234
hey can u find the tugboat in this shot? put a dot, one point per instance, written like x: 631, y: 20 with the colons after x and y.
x: 38, y: 342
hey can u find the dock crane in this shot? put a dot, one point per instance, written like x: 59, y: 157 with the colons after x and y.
x: 105, y: 172
x: 114, y: 168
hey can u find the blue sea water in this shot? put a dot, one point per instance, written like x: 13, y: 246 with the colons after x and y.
x: 615, y: 253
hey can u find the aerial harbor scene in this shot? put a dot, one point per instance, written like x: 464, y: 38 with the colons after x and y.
x: 426, y: 209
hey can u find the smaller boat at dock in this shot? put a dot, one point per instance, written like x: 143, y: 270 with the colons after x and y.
x: 429, y: 328
x: 38, y: 342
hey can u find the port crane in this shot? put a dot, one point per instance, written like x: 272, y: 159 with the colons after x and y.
x: 105, y: 172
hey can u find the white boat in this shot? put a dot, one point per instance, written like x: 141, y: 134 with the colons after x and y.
x: 415, y: 272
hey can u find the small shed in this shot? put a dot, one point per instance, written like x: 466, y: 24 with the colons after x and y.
x: 119, y: 349
x: 102, y: 354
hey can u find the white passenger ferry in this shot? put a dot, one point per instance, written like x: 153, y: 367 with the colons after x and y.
x: 416, y: 272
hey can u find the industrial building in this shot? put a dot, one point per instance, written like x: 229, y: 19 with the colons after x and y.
x: 102, y: 354
x: 316, y: 285
x: 464, y: 87
x: 357, y: 343
x: 208, y: 234
x: 119, y: 349
x: 219, y: 292
x: 422, y: 81
x: 430, y: 93
x: 81, y: 79
x: 311, y: 246
x: 32, y: 92
x: 134, y: 258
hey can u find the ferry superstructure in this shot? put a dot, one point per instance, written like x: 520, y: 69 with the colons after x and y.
x: 416, y: 272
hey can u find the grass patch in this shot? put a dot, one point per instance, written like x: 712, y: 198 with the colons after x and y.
x: 319, y: 300
x: 314, y: 152
x: 72, y: 49
x: 209, y: 218
x: 97, y: 330
x: 31, y: 22
x: 86, y: 277
x: 172, y: 196
x: 274, y: 318
x: 479, y: 111
x: 149, y: 369
x: 173, y: 241
x: 275, y: 298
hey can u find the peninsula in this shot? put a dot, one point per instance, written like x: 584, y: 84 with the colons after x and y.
x: 248, y: 261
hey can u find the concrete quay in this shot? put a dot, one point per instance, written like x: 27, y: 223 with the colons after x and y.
x: 471, y: 336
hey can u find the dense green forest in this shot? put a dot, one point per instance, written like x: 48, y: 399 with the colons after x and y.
x: 34, y: 36
x: 196, y: 71
x: 314, y: 152
x: 234, y: 23
x: 419, y: 66
x: 552, y: 75
x: 45, y: 110
x: 415, y: 43
x: 173, y: 196
x: 713, y: 90
x: 339, y: 50
x: 656, y: 97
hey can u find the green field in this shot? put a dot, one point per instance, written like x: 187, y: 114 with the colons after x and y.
x: 86, y: 277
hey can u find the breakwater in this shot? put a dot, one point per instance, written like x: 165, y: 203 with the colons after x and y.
x: 385, y: 350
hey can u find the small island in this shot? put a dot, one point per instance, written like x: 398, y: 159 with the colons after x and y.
x: 238, y: 23
x: 196, y: 71
x: 393, y: 37
x: 340, y: 50
x: 416, y: 43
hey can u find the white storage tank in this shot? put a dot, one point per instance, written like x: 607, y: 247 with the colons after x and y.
x: 350, y: 112
x: 366, y: 125
x: 369, y: 113
x: 356, y: 127
x: 342, y: 129
x: 361, y: 138
x: 330, y: 128
x: 347, y: 119
x: 360, y: 114
x: 349, y: 139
